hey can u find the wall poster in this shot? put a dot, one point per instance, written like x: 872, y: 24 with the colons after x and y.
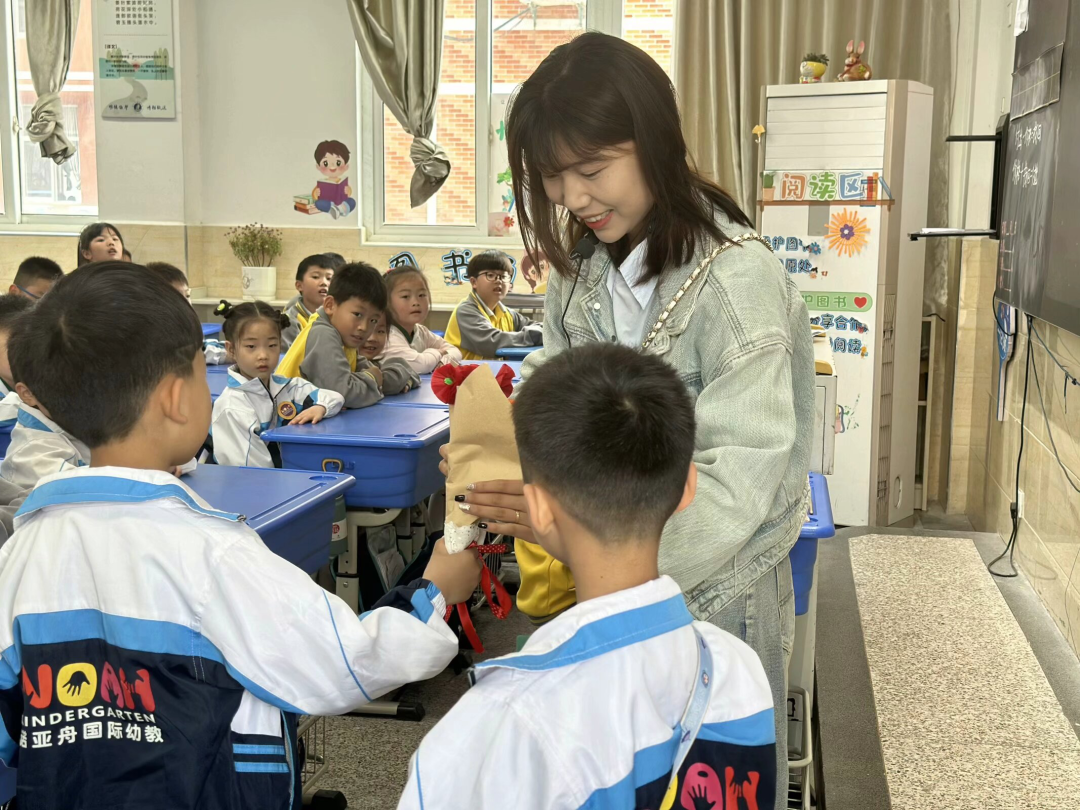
x: 135, y: 73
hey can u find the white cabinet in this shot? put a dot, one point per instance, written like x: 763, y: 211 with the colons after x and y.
x: 831, y: 158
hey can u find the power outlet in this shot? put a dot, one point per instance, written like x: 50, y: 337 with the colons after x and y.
x: 1020, y: 504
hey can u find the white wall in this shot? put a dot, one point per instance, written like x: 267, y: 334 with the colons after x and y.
x: 259, y: 84
x: 140, y: 162
x: 275, y: 78
x: 982, y: 30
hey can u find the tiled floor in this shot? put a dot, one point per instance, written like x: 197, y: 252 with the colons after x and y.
x: 369, y: 757
x: 966, y: 716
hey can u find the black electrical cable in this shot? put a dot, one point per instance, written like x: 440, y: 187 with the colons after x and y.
x: 583, y: 250
x: 1014, y: 507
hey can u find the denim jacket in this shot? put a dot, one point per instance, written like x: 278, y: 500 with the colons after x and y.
x: 740, y: 340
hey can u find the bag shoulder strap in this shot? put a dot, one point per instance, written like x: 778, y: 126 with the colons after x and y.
x: 749, y: 236
x: 694, y: 713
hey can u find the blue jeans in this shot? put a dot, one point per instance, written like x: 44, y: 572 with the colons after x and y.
x: 324, y: 205
x: 764, y: 617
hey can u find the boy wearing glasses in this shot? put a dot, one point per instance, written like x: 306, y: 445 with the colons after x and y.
x: 481, y: 325
x: 35, y: 277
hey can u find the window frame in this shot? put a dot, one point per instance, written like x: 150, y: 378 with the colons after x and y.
x: 600, y: 15
x: 14, y: 220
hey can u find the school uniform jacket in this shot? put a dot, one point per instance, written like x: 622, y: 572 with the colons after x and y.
x: 9, y: 408
x: 39, y: 447
x: 319, y: 354
x: 480, y: 331
x: 247, y: 407
x: 586, y: 715
x: 155, y: 651
x: 423, y: 350
x: 214, y: 352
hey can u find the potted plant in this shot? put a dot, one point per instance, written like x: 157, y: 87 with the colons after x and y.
x: 768, y: 182
x: 813, y: 68
x: 256, y: 246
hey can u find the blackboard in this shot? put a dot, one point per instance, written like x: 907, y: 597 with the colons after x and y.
x: 1039, y: 257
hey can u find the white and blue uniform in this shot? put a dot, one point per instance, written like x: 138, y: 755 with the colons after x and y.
x: 587, y: 715
x: 166, y: 650
x: 9, y: 408
x: 214, y: 352
x: 39, y: 447
x: 247, y: 407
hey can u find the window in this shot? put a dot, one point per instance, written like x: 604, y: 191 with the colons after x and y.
x: 33, y: 185
x: 512, y: 37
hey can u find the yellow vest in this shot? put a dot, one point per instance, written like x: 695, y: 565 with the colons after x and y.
x: 290, y: 363
x: 547, y: 586
x: 501, y: 320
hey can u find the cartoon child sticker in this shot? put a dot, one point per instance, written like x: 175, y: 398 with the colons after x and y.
x: 333, y: 194
x: 536, y: 273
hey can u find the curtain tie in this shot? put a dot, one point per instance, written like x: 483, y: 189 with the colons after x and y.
x: 432, y: 168
x: 46, y: 127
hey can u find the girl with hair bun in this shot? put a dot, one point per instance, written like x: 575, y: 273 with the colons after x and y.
x: 255, y: 399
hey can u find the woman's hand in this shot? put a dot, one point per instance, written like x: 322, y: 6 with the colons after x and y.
x: 500, y: 505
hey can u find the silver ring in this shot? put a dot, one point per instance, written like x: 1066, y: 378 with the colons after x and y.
x: 517, y: 517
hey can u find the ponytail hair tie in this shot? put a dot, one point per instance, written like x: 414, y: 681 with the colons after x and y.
x: 224, y: 309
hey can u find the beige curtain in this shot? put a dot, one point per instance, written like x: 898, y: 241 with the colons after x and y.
x: 401, y: 45
x: 727, y: 50
x: 50, y: 36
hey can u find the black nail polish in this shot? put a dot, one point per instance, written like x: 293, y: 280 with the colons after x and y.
x: 482, y: 525
x: 459, y: 498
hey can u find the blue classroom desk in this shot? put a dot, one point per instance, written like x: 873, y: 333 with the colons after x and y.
x: 818, y: 526
x: 516, y: 352
x: 292, y: 511
x: 392, y: 452
x: 217, y: 383
x: 210, y: 329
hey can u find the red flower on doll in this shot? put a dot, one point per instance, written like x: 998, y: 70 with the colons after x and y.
x: 446, y: 379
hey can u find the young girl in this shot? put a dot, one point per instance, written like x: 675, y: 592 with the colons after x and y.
x: 481, y: 324
x: 100, y: 242
x: 409, y: 301
x: 255, y: 398
x: 596, y: 149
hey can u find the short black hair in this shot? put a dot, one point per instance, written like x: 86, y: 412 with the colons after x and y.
x: 317, y: 260
x: 170, y: 272
x: 358, y: 280
x: 336, y: 259
x: 609, y: 432
x: 489, y: 260
x: 235, y: 318
x: 109, y: 331
x: 12, y: 307
x: 36, y: 268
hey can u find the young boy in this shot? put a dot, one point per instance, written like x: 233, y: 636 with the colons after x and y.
x: 12, y: 307
x: 312, y: 282
x: 213, y: 350
x: 326, y: 352
x: 163, y: 650
x: 35, y: 277
x: 590, y: 713
x: 481, y: 325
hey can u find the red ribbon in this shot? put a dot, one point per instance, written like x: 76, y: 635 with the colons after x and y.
x: 446, y: 379
x: 498, y: 598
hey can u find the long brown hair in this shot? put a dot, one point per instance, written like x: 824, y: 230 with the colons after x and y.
x: 588, y: 95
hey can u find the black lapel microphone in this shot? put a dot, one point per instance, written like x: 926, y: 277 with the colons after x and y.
x: 584, y: 249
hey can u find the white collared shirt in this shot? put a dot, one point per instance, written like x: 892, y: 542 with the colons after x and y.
x: 630, y: 325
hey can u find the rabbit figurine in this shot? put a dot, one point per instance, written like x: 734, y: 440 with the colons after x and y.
x: 855, y: 70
